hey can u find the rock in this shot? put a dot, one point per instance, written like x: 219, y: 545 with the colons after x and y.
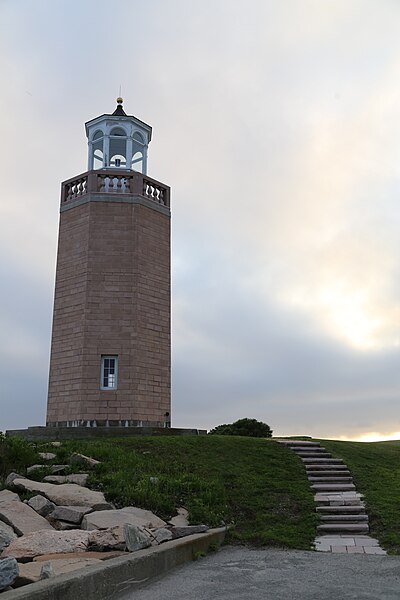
x: 88, y: 554
x: 33, y: 571
x: 107, y: 539
x: 67, y: 494
x: 55, y: 444
x: 62, y: 525
x: 41, y: 505
x: 136, y: 538
x: 178, y: 532
x: 182, y: 518
x: 21, y: 517
x: 81, y: 459
x: 78, y: 478
x: 58, y: 469
x: 48, y: 542
x: 46, y: 571
x: 153, y: 480
x: 111, y: 518
x: 8, y: 572
x: 7, y: 535
x: 9, y: 480
x: 162, y: 535
x: 34, y: 468
x: 47, y: 455
x: 72, y: 514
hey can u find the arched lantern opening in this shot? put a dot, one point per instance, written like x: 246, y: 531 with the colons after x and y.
x: 118, y: 140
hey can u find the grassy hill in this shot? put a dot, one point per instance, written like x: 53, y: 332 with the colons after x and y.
x: 254, y: 483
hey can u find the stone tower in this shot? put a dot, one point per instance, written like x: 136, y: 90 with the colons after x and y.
x: 110, y: 359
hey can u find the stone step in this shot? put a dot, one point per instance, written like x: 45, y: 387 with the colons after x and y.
x: 318, y: 466
x: 335, y: 479
x: 343, y: 510
x: 333, y: 487
x: 344, y: 518
x: 331, y: 473
x: 343, y: 528
x: 314, y: 449
x: 297, y: 443
x: 322, y: 461
x: 309, y: 454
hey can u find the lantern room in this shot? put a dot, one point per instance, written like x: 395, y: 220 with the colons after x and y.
x: 118, y: 141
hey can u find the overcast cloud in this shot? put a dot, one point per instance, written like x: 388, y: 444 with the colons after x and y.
x: 277, y: 125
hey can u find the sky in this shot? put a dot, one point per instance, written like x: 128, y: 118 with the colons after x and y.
x: 277, y: 125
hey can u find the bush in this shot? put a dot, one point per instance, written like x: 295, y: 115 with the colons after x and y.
x: 245, y: 427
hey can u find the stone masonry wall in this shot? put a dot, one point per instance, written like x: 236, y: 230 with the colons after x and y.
x: 118, y: 256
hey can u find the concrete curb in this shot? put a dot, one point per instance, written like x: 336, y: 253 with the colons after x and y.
x: 119, y: 575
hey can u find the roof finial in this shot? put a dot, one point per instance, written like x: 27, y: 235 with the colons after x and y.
x: 120, y: 99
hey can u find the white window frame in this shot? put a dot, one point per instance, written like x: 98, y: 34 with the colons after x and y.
x: 102, y: 372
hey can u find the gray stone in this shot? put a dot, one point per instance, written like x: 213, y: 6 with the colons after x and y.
x: 58, y: 469
x: 35, y: 571
x: 107, y: 539
x: 34, y: 468
x: 41, y: 505
x: 67, y: 494
x: 55, y: 444
x: 153, y: 480
x: 112, y: 518
x: 7, y: 535
x: 9, y: 480
x: 21, y: 517
x: 81, y: 459
x: 46, y: 571
x: 182, y: 518
x: 62, y: 525
x: 72, y: 514
x: 8, y: 572
x: 136, y: 538
x: 178, y: 532
x: 47, y: 455
x: 48, y: 542
x: 162, y: 535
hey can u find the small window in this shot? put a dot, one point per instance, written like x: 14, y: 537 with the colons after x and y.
x: 109, y: 372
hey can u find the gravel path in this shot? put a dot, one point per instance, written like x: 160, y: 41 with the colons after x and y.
x: 236, y: 573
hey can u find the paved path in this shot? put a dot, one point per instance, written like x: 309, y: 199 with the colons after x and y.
x: 343, y: 527
x: 242, y: 574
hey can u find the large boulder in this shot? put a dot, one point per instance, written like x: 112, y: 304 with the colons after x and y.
x: 47, y: 455
x: 67, y: 494
x: 112, y: 518
x: 178, y: 532
x: 107, y: 539
x: 8, y: 572
x: 21, y: 517
x: 78, y: 478
x: 28, y: 546
x: 162, y: 535
x: 181, y: 519
x: 34, y: 571
x: 7, y: 535
x: 10, y: 478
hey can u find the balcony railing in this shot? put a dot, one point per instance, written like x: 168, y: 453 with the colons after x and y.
x: 115, y: 181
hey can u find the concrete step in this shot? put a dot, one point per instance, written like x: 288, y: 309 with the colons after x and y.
x: 326, y: 467
x: 345, y: 510
x: 297, y: 443
x: 344, y: 519
x: 322, y: 461
x: 331, y: 473
x: 314, y: 449
x: 335, y: 479
x: 309, y: 454
x: 333, y: 487
x: 343, y: 528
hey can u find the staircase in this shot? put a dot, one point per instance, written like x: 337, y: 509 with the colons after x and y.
x: 343, y: 520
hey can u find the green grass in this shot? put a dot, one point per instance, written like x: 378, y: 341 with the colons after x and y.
x: 255, y: 484
x: 376, y: 471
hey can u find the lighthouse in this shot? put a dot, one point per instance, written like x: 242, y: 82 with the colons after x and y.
x: 110, y: 362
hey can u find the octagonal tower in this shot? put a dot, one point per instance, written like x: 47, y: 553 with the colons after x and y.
x: 110, y: 359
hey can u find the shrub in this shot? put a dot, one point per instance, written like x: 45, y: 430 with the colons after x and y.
x: 245, y: 427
